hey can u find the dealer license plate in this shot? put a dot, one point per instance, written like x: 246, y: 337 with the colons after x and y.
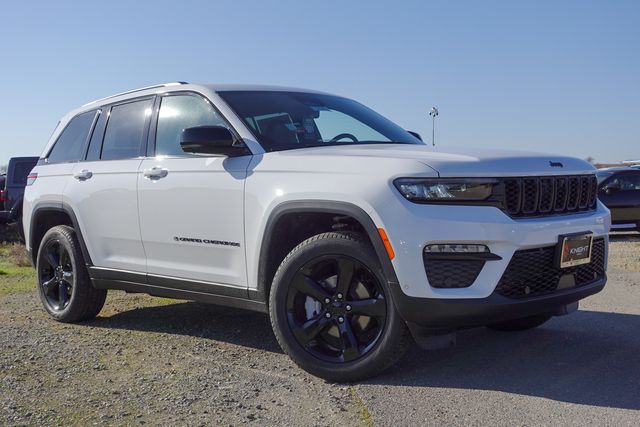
x: 575, y: 249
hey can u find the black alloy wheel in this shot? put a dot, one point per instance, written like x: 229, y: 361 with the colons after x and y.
x: 56, y: 275
x: 331, y: 309
x: 336, y: 308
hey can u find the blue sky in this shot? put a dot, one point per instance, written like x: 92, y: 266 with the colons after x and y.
x: 554, y: 76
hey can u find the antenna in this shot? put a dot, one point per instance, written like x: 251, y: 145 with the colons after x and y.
x: 433, y: 113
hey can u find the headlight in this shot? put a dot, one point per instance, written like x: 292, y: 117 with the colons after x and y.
x: 455, y: 190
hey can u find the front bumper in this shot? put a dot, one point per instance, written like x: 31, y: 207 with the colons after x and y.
x: 437, y: 316
x: 414, y: 226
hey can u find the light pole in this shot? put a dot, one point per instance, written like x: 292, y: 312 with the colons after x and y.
x: 433, y: 113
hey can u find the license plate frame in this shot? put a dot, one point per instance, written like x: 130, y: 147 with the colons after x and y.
x: 574, y: 249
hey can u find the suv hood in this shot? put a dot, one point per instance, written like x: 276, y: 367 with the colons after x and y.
x: 464, y: 162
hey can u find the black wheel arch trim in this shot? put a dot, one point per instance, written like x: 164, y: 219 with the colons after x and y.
x: 61, y: 207
x: 319, y: 206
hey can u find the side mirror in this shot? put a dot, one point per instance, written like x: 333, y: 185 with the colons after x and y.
x: 211, y: 140
x: 416, y: 134
x: 612, y: 188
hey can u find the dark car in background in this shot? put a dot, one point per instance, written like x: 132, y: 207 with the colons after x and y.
x: 12, y: 189
x: 3, y: 178
x: 619, y: 190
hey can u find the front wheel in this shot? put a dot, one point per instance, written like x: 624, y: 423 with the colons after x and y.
x: 63, y: 281
x: 331, y: 309
x: 521, y: 324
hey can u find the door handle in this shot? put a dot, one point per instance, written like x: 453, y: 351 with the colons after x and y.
x: 83, y: 175
x: 155, y: 172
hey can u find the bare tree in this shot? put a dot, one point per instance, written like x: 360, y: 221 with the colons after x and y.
x: 591, y: 160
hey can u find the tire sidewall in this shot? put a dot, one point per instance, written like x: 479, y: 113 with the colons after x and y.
x: 389, y: 339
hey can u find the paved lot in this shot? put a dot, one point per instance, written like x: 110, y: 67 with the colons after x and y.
x: 155, y: 361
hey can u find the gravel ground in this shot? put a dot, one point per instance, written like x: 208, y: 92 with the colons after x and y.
x: 149, y: 360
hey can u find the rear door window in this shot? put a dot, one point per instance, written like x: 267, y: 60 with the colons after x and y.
x: 69, y: 147
x: 126, y: 128
x: 95, y: 141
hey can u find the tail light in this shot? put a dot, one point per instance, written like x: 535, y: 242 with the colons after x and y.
x: 3, y: 195
x: 31, y: 178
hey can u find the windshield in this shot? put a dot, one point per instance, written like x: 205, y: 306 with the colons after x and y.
x: 602, y: 175
x: 286, y: 120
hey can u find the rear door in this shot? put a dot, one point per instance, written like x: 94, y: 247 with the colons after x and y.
x: 103, y: 189
x: 55, y: 170
x: 191, y: 206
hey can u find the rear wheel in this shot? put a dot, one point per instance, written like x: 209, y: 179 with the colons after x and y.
x: 63, y: 281
x: 331, y: 309
x: 521, y: 324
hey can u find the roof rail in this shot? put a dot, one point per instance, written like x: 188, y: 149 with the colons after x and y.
x: 136, y: 90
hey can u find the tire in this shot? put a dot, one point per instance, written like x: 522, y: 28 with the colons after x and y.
x: 335, y: 336
x: 521, y: 324
x: 64, y: 285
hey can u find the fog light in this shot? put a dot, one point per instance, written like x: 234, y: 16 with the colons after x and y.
x: 444, y: 248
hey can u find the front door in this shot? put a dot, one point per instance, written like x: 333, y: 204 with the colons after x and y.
x: 191, y: 207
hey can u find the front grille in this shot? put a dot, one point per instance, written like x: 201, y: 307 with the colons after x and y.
x: 541, y: 196
x: 534, y: 272
x: 448, y: 273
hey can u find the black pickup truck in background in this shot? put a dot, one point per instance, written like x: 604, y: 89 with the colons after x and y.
x: 12, y: 189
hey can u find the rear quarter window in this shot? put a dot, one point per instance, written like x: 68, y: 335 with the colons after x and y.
x: 69, y: 147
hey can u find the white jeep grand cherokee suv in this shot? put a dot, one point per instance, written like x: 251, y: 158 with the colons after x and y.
x: 348, y: 230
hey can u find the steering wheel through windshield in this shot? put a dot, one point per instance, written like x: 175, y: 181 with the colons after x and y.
x: 343, y: 136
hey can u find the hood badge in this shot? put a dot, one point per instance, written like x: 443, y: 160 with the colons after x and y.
x: 555, y: 164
